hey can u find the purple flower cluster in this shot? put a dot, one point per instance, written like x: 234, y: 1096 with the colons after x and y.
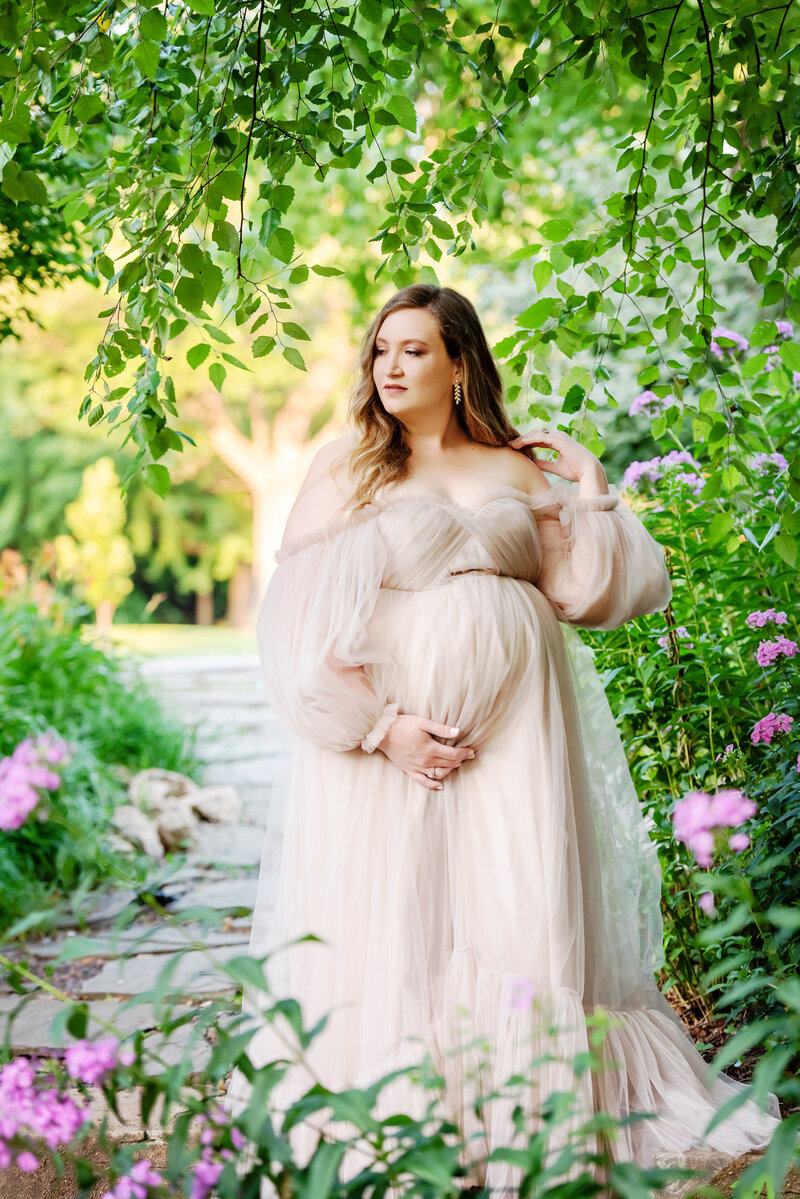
x: 784, y: 329
x: 92, y: 1061
x: 648, y: 403
x: 740, y: 343
x: 640, y: 475
x: 136, y: 1184
x: 765, y: 464
x: 679, y: 631
x: 768, y: 651
x: 31, y: 1113
x: 769, y: 727
x: 757, y: 620
x: 700, y: 820
x: 212, y: 1159
x: 25, y: 774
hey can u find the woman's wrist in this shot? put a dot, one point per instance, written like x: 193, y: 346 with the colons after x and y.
x: 592, y: 481
x: 380, y: 728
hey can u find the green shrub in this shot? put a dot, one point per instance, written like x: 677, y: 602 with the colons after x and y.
x: 687, y: 706
x: 51, y: 679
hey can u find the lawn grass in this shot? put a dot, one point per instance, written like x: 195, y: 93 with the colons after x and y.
x: 174, y: 640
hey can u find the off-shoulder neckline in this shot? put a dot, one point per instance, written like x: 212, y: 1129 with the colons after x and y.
x: 340, y: 522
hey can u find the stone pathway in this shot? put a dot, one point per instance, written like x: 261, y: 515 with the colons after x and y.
x: 238, y: 742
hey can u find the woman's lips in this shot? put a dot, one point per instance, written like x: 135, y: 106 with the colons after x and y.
x: 393, y: 387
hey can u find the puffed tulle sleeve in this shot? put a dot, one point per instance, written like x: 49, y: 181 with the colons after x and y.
x: 311, y: 638
x: 600, y: 566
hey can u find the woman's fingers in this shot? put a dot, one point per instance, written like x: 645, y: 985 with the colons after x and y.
x: 419, y: 777
x: 438, y: 730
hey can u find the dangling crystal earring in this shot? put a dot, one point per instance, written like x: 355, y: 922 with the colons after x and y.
x: 457, y: 393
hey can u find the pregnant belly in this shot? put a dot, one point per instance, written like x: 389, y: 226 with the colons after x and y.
x: 460, y: 653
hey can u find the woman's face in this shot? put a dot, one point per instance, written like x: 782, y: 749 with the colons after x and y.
x: 411, y: 368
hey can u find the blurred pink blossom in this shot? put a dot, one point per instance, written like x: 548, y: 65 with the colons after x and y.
x: 700, y: 819
x: 520, y: 992
x: 740, y: 343
x: 25, y: 774
x: 89, y: 1061
x: 706, y: 902
x: 136, y: 1184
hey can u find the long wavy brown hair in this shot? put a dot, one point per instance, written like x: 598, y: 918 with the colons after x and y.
x: 382, y: 455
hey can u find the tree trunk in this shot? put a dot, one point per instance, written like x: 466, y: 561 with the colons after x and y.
x: 204, y: 607
x: 104, y: 615
x: 240, y: 597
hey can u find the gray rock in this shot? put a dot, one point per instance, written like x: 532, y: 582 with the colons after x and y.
x: 177, y: 824
x: 218, y: 805
x: 154, y: 790
x: 139, y: 830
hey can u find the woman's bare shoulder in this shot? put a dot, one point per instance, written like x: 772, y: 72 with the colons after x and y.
x: 519, y: 471
x: 324, y: 491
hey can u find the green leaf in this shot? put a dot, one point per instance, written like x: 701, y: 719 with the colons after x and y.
x: 295, y: 331
x: 573, y: 400
x: 204, y: 7
x: 787, y: 548
x: 790, y: 355
x: 157, y: 478
x: 152, y: 26
x: 403, y: 110
x: 281, y: 245
x: 719, y: 527
x: 556, y: 230
x: 198, y: 354
x: 146, y: 55
x: 542, y: 274
x: 326, y: 271
x: 294, y: 357
x: 263, y: 346
x: 217, y: 374
x: 189, y: 293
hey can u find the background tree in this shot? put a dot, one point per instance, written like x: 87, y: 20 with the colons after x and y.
x: 98, y: 554
x: 205, y: 132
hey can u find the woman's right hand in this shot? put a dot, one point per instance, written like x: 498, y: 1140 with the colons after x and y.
x: 410, y: 744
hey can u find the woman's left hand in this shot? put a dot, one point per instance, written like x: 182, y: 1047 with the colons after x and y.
x: 574, y: 461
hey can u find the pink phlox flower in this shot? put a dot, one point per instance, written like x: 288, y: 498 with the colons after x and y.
x: 205, y: 1176
x: 795, y: 378
x: 136, y: 1184
x: 757, y: 620
x: 764, y: 464
x: 738, y: 841
x: 679, y: 631
x: 238, y: 1139
x: 769, y: 651
x: 89, y: 1061
x: 638, y: 474
x: 27, y: 1162
x: 784, y: 328
x: 29, y: 1109
x: 25, y: 774
x: 706, y: 902
x: 773, y: 358
x: 695, y: 482
x: 740, y: 343
x: 769, y: 726
x: 649, y: 403
x: 519, y: 993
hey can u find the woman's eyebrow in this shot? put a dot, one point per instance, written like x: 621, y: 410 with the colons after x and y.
x: 407, y: 341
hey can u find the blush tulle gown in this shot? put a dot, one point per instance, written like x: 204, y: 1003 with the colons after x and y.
x: 530, y: 876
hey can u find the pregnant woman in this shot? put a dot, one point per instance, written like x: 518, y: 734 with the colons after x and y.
x: 462, y: 830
